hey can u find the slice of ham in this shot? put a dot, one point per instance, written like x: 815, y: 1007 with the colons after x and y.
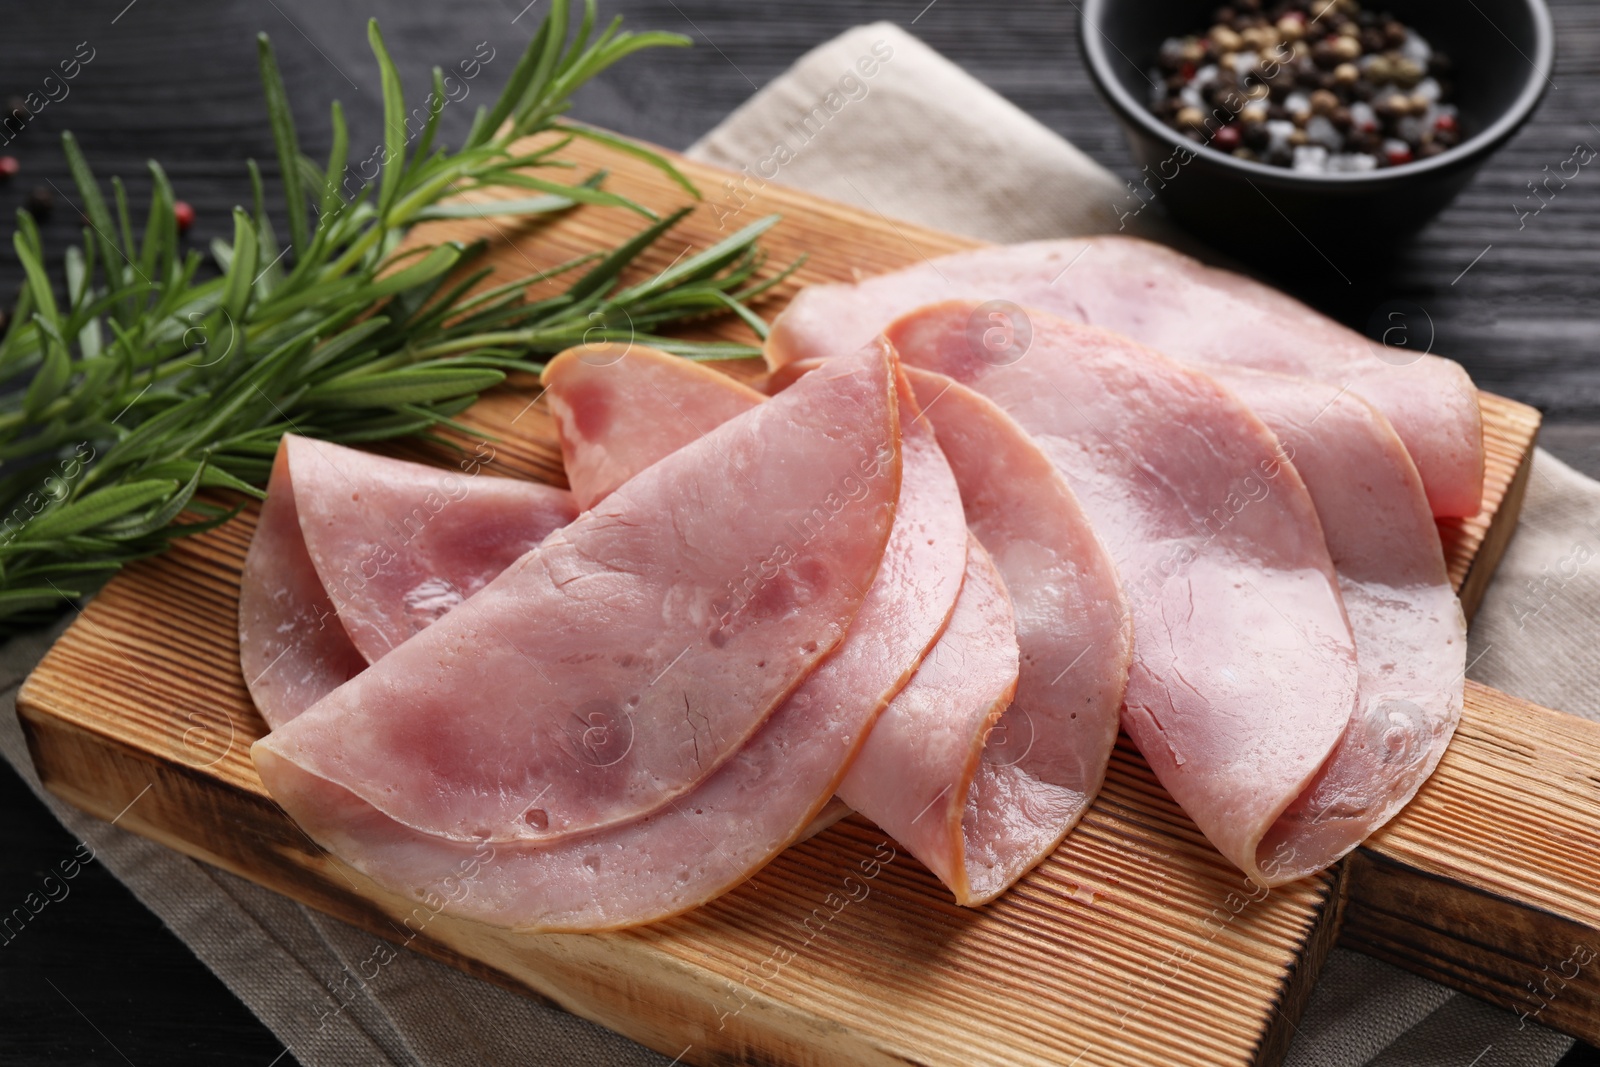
x: 915, y: 775
x: 767, y: 796
x: 618, y: 665
x: 354, y: 553
x: 614, y: 425
x: 1410, y: 634
x: 1045, y: 762
x: 293, y: 649
x: 399, y: 544
x: 1180, y: 307
x: 1244, y: 669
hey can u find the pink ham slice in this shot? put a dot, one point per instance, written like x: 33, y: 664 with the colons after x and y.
x: 755, y: 805
x: 614, y: 425
x: 1184, y: 309
x: 1411, y: 638
x: 1244, y: 669
x: 621, y: 663
x: 1046, y: 758
x: 399, y: 544
x: 915, y: 775
x: 293, y: 649
x: 354, y: 553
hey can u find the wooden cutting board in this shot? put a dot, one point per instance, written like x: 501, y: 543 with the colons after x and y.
x: 1135, y: 943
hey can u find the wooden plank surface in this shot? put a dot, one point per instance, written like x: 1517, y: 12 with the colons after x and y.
x: 1488, y: 882
x: 1134, y: 931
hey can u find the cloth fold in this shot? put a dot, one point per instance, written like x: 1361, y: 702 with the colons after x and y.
x: 874, y: 118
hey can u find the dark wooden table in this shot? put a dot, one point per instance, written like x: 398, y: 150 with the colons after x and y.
x: 97, y: 979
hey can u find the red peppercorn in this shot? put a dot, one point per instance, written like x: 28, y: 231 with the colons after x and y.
x: 184, y: 214
x: 1397, y: 155
x: 9, y: 167
x: 1447, y: 123
x: 1227, y: 138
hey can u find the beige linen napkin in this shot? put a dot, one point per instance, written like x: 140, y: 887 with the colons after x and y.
x: 917, y: 139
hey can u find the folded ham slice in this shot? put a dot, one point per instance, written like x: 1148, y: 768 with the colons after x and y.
x: 1411, y: 638
x: 999, y: 806
x: 618, y: 665
x: 615, y: 423
x: 1183, y: 309
x: 354, y: 553
x: 751, y: 808
x: 399, y: 544
x: 915, y: 775
x: 293, y: 649
x: 1244, y: 669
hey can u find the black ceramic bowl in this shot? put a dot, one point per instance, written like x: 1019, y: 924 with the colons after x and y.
x: 1503, y: 51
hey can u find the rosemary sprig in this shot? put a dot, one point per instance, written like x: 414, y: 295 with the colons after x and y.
x: 146, y: 384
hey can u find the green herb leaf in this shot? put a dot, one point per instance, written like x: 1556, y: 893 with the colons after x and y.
x: 97, y: 508
x: 283, y: 136
x: 527, y: 205
x: 419, y: 385
x: 394, y: 120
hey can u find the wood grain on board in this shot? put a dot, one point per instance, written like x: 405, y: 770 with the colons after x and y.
x: 1488, y: 882
x: 1135, y: 942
